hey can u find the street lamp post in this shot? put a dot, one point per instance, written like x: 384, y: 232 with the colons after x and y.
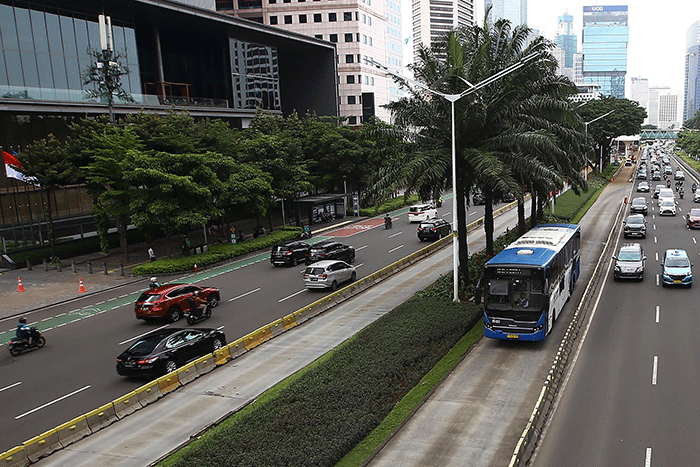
x: 345, y: 196
x: 454, y: 98
x: 600, y: 167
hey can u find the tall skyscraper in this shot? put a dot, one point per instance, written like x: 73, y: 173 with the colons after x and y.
x: 567, y: 41
x: 639, y: 91
x: 663, y: 107
x: 691, y: 98
x: 514, y: 11
x: 605, y: 38
x: 432, y: 19
x: 361, y: 29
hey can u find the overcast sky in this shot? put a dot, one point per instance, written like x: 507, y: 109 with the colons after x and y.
x: 656, y: 48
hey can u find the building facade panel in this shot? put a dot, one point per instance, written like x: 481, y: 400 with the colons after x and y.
x: 691, y: 95
x: 604, y: 47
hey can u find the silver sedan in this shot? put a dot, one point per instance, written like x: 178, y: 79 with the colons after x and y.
x: 328, y: 274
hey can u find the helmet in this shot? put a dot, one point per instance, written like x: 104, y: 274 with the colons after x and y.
x: 153, y: 279
x: 23, y: 320
x: 196, y: 293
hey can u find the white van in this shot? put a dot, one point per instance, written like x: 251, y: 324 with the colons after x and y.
x: 666, y: 193
x: 421, y: 212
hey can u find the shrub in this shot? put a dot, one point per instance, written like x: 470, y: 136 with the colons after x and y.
x: 389, y: 205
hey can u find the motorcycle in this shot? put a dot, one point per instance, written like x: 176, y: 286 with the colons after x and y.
x: 34, y: 341
x: 200, y: 314
x: 680, y: 193
x: 387, y: 223
x: 306, y: 233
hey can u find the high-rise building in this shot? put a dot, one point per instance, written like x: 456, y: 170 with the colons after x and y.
x: 514, y: 11
x: 566, y: 40
x: 432, y: 19
x: 578, y: 67
x: 663, y: 108
x: 605, y: 38
x: 639, y: 91
x: 363, y: 30
x: 691, y: 98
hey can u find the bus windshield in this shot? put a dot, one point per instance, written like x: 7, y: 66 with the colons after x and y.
x: 522, y: 296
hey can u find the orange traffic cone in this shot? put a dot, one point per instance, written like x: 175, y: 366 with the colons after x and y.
x: 19, y: 285
x: 82, y: 287
x: 195, y: 268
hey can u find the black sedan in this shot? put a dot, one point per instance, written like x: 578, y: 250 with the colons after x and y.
x: 331, y: 249
x: 165, y: 350
x: 433, y: 229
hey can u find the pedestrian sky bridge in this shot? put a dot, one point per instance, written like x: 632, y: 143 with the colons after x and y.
x: 659, y: 134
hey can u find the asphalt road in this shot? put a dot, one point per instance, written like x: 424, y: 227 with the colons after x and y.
x: 75, y: 372
x: 631, y: 396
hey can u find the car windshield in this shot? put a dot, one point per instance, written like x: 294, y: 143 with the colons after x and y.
x: 639, y: 202
x: 314, y: 271
x: 148, y: 297
x: 677, y: 262
x: 145, y: 346
x: 630, y: 255
x: 426, y: 225
x: 695, y: 212
x: 635, y: 220
x: 667, y: 202
x: 417, y: 208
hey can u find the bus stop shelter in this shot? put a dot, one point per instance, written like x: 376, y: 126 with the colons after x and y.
x: 309, y: 208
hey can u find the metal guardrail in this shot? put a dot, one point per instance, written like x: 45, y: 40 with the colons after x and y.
x: 533, y: 429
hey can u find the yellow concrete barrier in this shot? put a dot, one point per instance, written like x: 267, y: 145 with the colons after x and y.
x: 101, y: 417
x: 42, y: 445
x: 126, y: 404
x: 206, y: 363
x: 289, y: 321
x: 72, y: 431
x: 148, y: 393
x: 15, y: 457
x: 187, y: 373
x: 168, y: 383
x: 257, y: 337
x: 234, y: 349
x: 277, y: 327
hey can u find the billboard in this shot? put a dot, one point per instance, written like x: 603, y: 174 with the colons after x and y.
x: 605, y: 15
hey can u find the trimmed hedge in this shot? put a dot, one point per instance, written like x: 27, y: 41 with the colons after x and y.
x: 332, y: 405
x: 217, y: 253
x: 389, y: 205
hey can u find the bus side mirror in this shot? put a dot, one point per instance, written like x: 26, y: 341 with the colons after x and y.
x: 478, y: 290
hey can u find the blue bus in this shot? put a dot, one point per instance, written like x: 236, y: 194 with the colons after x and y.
x: 526, y: 285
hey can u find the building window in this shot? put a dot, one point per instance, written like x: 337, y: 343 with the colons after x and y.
x: 347, y: 16
x: 287, y: 1
x: 318, y: 36
x: 333, y: 38
x: 371, y: 81
x: 364, y: 19
x: 364, y: 39
x: 332, y: 17
x: 352, y: 120
x: 273, y: 20
x: 350, y: 79
x: 357, y: 37
x: 302, y: 18
x: 351, y: 100
x: 348, y: 37
x: 349, y: 58
x: 271, y: 2
x: 370, y: 40
x: 369, y: 18
x: 317, y: 17
x: 287, y: 19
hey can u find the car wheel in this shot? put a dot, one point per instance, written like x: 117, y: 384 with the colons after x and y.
x: 352, y: 258
x: 334, y: 286
x: 353, y: 276
x: 217, y: 344
x: 212, y: 301
x: 295, y: 261
x: 170, y: 366
x: 174, y: 314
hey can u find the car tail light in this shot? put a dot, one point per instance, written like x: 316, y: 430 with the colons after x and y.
x: 323, y: 276
x: 147, y: 361
x: 433, y: 229
x: 119, y: 360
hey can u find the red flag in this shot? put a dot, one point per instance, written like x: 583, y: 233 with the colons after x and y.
x: 10, y: 159
x: 11, y: 166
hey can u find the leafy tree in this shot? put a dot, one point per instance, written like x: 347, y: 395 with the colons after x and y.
x: 693, y: 123
x: 47, y: 161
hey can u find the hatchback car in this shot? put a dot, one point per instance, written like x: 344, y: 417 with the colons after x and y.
x: 676, y: 269
x: 679, y: 175
x: 330, y: 249
x: 291, y: 253
x: 667, y: 207
x: 696, y: 196
x: 433, y: 229
x: 478, y: 198
x: 642, y: 175
x: 639, y: 206
x: 165, y: 350
x: 328, y: 274
x: 629, y: 262
x: 668, y: 170
x: 656, y: 175
x: 421, y: 212
x: 635, y: 226
x: 171, y: 301
x: 643, y: 187
x: 692, y: 219
x: 657, y: 189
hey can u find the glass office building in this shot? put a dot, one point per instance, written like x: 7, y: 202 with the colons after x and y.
x: 605, y: 38
x: 691, y: 98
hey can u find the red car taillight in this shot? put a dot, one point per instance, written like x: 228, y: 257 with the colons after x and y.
x: 323, y: 276
x: 147, y: 361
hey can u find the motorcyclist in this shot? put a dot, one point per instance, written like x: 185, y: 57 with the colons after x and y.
x: 153, y: 283
x: 695, y: 187
x: 668, y: 183
x: 23, y: 331
x: 387, y: 220
x: 680, y: 192
x: 195, y: 302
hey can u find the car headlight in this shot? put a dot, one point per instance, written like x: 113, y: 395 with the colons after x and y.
x: 640, y: 270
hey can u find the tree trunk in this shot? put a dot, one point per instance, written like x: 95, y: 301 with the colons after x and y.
x: 121, y: 227
x: 533, y: 209
x: 463, y: 245
x: 49, y: 219
x: 521, y: 217
x: 488, y: 220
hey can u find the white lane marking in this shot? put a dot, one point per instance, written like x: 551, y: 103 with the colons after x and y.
x: 10, y: 386
x: 447, y: 214
x: 98, y: 303
x: 657, y: 313
x: 695, y: 241
x: 52, y: 402
x: 394, y: 249
x: 647, y: 459
x: 359, y: 265
x: 655, y: 239
x: 220, y: 328
x: 657, y: 279
x: 655, y: 370
x: 61, y: 314
x: 654, y: 226
x: 243, y: 295
x: 472, y: 213
x: 657, y: 255
x: 290, y: 296
x: 141, y: 335
x: 394, y: 235
x: 361, y: 248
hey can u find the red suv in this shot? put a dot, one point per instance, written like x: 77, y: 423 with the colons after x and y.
x: 170, y: 301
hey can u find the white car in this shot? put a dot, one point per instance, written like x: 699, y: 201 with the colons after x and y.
x: 696, y: 196
x: 422, y: 212
x: 328, y: 274
x: 667, y: 206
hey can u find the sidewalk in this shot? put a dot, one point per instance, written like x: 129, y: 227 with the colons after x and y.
x: 43, y: 288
